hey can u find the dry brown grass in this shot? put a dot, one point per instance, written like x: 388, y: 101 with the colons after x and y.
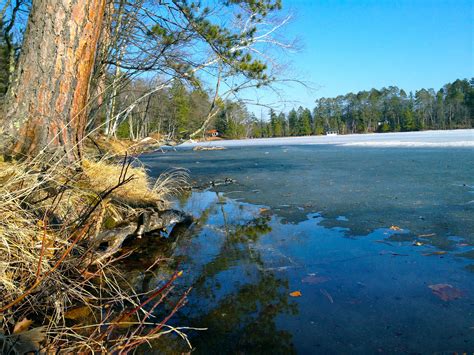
x: 101, y: 175
x: 101, y: 144
x: 48, y: 215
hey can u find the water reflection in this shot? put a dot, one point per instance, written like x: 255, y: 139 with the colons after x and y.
x: 239, y: 300
x: 359, y: 293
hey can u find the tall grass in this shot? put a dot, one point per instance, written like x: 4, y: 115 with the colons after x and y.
x: 49, y: 217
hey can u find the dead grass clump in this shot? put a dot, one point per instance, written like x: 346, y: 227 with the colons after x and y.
x: 111, y: 145
x: 99, y: 145
x: 49, y: 217
x: 101, y: 175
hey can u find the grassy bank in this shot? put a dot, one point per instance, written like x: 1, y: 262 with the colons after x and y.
x: 57, y: 291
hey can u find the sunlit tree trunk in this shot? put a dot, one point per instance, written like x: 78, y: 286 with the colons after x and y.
x: 116, y: 80
x: 110, y: 119
x: 46, y: 102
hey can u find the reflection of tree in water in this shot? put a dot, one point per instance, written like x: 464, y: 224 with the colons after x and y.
x: 243, y: 320
x: 235, y: 249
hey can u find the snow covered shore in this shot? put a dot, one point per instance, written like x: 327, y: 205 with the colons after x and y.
x: 451, y: 138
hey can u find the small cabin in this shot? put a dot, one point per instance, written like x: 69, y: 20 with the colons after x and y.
x: 331, y: 133
x: 212, y: 133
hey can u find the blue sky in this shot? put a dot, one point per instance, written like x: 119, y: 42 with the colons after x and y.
x: 349, y: 46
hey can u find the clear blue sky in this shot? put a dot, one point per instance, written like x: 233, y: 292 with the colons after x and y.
x: 357, y: 45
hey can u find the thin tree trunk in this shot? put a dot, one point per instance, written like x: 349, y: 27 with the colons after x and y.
x: 99, y: 77
x: 144, y: 127
x: 46, y: 103
x: 110, y: 115
x: 130, y: 127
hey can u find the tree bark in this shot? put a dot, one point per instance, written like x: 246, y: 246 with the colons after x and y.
x: 46, y: 103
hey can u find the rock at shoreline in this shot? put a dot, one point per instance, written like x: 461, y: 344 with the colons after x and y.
x: 147, y: 222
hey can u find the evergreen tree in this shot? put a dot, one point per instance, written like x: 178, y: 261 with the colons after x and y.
x: 470, y: 101
x: 385, y: 127
x: 440, y: 110
x: 408, y: 121
x: 276, y: 124
x: 181, y: 108
x: 392, y: 109
x: 257, y: 129
x: 304, y: 122
x: 283, y: 123
x: 234, y: 121
x: 268, y: 132
x: 318, y: 124
x: 293, y: 123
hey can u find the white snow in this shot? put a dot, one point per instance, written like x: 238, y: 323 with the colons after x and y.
x: 451, y: 138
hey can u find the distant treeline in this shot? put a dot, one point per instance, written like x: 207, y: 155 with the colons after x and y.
x: 179, y: 110
x: 386, y: 110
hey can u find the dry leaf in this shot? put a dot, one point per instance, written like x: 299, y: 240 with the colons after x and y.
x: 24, y: 342
x: 22, y: 325
x: 89, y: 275
x: 78, y: 313
x: 395, y: 228
x: 446, y: 292
x: 295, y: 294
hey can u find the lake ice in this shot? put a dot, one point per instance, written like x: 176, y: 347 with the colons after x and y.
x: 367, y: 233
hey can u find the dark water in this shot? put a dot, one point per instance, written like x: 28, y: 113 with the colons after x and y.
x: 316, y: 219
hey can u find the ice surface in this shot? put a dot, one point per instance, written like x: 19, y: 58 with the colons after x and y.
x: 450, y: 138
x: 425, y: 189
x: 378, y: 217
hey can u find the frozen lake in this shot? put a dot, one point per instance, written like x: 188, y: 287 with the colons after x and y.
x: 451, y: 138
x: 375, y: 232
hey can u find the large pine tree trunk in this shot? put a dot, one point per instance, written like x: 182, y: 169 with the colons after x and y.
x: 46, y: 103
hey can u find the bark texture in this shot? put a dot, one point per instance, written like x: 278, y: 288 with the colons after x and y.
x: 46, y: 102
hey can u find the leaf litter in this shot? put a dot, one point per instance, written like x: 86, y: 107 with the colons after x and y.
x: 446, y: 292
